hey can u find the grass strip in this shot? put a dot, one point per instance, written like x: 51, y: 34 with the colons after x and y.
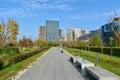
x: 108, y: 62
x: 13, y: 69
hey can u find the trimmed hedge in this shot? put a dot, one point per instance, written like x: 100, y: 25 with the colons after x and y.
x: 22, y: 56
x: 1, y: 63
x: 9, y: 50
x: 104, y: 50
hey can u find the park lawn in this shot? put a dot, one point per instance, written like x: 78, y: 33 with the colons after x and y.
x: 108, y: 62
x: 14, y: 68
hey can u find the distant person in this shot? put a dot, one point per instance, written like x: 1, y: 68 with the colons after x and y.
x: 61, y: 50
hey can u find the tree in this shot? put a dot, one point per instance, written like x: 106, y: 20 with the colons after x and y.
x: 8, y: 32
x: 12, y: 31
x: 24, y: 42
x: 114, y: 29
x: 45, y: 43
x: 38, y: 43
x: 96, y: 41
x: 2, y: 36
x: 30, y: 42
x: 81, y: 44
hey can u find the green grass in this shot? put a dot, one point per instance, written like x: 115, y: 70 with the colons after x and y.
x: 28, y: 50
x: 9, y: 55
x: 110, y: 63
x: 13, y: 69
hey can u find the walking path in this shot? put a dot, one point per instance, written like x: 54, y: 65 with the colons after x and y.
x: 53, y: 66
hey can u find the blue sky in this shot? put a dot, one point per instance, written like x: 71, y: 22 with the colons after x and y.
x: 85, y: 14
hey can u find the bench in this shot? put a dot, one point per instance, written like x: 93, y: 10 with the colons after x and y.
x: 77, y: 58
x: 83, y: 63
x: 98, y: 73
x: 73, y: 59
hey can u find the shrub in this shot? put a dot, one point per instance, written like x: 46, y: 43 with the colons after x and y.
x: 1, y: 63
x: 9, y: 50
x: 106, y: 50
x: 23, y: 56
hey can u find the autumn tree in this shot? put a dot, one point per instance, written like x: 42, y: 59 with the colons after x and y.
x: 12, y: 31
x: 41, y: 43
x: 45, y: 43
x: 2, y: 35
x: 38, y: 43
x: 8, y: 32
x: 24, y: 42
x: 30, y: 42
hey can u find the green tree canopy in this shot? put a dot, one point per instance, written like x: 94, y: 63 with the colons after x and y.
x: 96, y: 41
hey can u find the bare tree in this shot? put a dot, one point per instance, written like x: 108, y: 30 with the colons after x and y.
x: 111, y: 21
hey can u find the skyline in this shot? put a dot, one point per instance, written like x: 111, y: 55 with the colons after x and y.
x: 83, y: 14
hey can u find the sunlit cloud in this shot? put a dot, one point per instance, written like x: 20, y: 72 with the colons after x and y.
x: 29, y: 7
x: 104, y: 15
x: 14, y: 12
x: 46, y: 4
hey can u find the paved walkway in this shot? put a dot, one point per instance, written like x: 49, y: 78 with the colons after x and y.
x: 53, y: 66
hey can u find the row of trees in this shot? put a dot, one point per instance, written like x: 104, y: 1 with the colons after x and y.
x: 28, y: 42
x: 94, y: 41
x: 8, y: 36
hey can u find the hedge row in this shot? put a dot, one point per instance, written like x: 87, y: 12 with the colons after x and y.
x: 104, y: 50
x: 1, y: 63
x: 9, y: 50
x: 21, y: 57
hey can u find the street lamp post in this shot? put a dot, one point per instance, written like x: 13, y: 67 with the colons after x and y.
x: 111, y: 40
x: 96, y: 58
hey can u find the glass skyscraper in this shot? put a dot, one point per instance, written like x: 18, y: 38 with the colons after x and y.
x: 52, y: 30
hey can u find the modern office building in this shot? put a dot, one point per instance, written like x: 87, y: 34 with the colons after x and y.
x: 77, y: 33
x: 52, y: 30
x: 70, y: 34
x: 116, y: 24
x: 84, y: 32
x: 42, y: 32
x: 84, y: 38
x: 95, y: 32
x: 106, y: 33
x: 111, y: 30
x: 84, y: 35
x: 61, y: 33
x: 61, y: 38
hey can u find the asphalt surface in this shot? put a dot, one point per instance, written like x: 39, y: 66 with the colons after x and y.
x: 53, y: 66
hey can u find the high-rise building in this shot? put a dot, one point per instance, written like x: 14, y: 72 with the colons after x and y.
x: 70, y: 34
x: 52, y: 30
x: 74, y: 34
x: 96, y: 32
x: 84, y: 32
x: 77, y: 33
x: 61, y: 37
x: 42, y: 33
x: 111, y: 30
x: 61, y: 33
x: 106, y: 33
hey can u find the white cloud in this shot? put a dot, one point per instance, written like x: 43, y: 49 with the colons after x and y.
x: 104, y: 15
x: 47, y: 4
x: 14, y: 12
